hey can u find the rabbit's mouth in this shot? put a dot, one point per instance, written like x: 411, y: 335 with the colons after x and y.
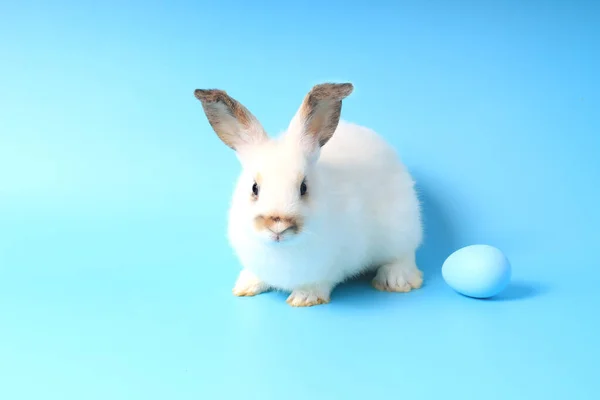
x: 281, y: 237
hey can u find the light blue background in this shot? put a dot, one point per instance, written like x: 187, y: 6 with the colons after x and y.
x: 115, y: 274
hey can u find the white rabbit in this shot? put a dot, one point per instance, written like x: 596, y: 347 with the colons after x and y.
x: 313, y: 208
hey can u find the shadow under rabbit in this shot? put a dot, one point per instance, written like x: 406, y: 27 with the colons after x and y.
x: 440, y: 234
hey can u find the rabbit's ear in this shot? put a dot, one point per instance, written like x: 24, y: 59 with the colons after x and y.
x: 319, y: 114
x: 231, y: 121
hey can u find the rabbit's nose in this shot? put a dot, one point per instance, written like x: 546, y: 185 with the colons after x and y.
x: 278, y: 224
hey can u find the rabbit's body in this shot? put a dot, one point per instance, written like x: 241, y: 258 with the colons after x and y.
x: 305, y: 216
x: 368, y: 215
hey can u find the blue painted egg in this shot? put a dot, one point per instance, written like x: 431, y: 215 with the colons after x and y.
x: 479, y: 271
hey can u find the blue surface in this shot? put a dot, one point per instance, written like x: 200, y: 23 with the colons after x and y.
x: 115, y: 274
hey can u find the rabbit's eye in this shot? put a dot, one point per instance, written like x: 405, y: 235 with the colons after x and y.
x: 303, y: 188
x: 255, y: 189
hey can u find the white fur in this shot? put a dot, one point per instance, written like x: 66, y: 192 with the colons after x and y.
x: 362, y: 213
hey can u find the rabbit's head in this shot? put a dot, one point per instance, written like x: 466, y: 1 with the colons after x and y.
x: 278, y: 188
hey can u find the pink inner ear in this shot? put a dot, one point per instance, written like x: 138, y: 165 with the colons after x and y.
x: 235, y: 125
x: 321, y: 118
x: 317, y: 121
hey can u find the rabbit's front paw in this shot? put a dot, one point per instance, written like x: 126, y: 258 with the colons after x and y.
x: 309, y: 296
x: 249, y: 285
x: 402, y: 276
